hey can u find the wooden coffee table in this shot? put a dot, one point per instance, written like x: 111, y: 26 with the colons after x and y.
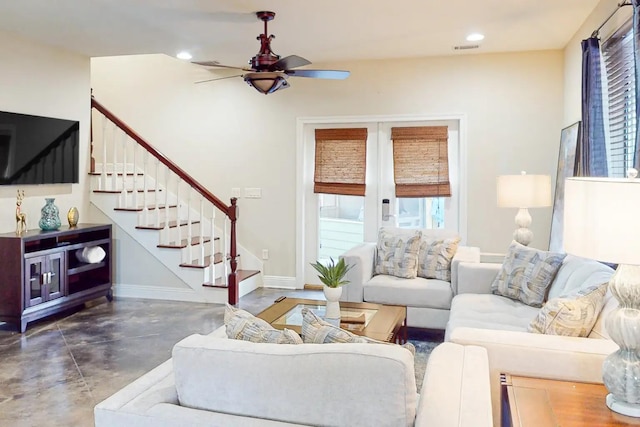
x: 381, y: 322
x: 538, y: 402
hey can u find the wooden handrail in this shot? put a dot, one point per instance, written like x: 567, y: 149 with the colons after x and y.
x: 161, y: 157
x: 231, y: 211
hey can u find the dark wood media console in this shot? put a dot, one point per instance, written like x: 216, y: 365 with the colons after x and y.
x: 40, y: 274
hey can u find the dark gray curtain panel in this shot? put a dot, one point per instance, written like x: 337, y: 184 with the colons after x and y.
x: 592, y: 147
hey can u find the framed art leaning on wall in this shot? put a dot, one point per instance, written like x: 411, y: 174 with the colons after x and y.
x: 567, y: 167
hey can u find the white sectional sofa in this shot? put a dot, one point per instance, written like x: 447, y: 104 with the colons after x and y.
x: 215, y: 381
x: 500, y: 324
x: 428, y: 301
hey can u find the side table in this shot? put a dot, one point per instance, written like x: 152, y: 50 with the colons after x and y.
x: 541, y: 402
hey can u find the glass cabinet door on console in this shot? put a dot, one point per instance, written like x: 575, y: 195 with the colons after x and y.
x: 44, y: 278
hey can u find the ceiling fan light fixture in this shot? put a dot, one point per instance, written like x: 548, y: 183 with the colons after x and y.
x: 265, y: 82
x: 184, y: 55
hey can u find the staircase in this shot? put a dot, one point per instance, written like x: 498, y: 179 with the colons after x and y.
x: 176, y: 219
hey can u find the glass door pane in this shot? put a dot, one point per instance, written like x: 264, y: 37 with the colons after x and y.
x: 425, y: 212
x: 341, y: 224
x: 34, y: 273
x: 55, y: 288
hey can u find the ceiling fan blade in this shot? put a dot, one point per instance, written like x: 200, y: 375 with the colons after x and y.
x: 217, y: 64
x: 319, y: 74
x: 291, y: 61
x: 218, y: 78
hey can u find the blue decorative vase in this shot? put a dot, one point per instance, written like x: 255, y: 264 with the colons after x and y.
x: 50, y: 219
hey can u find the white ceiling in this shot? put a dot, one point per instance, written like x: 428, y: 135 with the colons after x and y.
x: 321, y: 31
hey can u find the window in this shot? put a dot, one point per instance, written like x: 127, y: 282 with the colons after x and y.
x: 341, y: 161
x: 617, y: 53
x: 420, y: 161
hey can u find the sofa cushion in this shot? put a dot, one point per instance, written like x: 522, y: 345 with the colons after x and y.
x: 434, y: 257
x: 397, y: 252
x: 457, y: 388
x: 572, y: 315
x: 418, y: 292
x: 242, y: 325
x: 487, y: 311
x: 309, y: 384
x: 577, y: 273
x: 526, y: 274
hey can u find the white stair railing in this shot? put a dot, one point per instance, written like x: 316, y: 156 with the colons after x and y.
x: 192, y: 207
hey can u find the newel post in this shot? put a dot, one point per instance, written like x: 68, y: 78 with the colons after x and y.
x: 232, y: 282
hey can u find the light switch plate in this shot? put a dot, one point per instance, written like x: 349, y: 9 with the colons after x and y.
x: 253, y: 193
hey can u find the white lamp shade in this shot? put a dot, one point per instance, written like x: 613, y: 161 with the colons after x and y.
x: 524, y: 191
x: 602, y: 219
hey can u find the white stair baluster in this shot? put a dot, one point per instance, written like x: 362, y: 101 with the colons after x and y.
x: 166, y: 207
x: 156, y: 212
x: 145, y: 209
x: 123, y: 195
x: 102, y: 182
x: 212, y: 245
x: 114, y: 162
x: 201, y: 234
x: 225, y: 251
x: 134, y: 196
x: 189, y: 233
x: 178, y: 215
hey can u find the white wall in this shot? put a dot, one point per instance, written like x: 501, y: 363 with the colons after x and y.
x: 44, y: 81
x: 573, y: 54
x: 226, y: 135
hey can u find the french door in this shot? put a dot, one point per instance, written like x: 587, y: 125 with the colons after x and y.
x: 332, y: 224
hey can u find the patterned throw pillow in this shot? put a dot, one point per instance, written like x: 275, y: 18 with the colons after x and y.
x: 242, y: 325
x: 571, y: 316
x: 397, y: 252
x: 317, y: 331
x: 526, y: 274
x: 434, y: 257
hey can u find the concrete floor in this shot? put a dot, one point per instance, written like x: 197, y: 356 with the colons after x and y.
x: 61, y: 367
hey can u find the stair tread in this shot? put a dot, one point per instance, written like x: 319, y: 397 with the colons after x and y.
x: 217, y: 258
x: 183, y: 242
x: 221, y: 281
x: 140, y: 208
x: 151, y: 190
x: 172, y: 224
x: 111, y: 173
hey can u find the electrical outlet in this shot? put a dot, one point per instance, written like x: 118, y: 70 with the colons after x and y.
x: 265, y: 254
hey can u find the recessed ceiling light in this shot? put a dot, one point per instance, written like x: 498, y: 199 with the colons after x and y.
x: 184, y: 55
x: 475, y: 37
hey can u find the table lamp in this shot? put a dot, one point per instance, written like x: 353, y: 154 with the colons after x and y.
x: 523, y: 192
x: 602, y: 222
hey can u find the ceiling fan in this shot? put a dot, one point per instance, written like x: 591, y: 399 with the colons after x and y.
x: 269, y: 72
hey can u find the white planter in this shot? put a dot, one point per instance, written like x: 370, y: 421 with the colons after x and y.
x: 333, y: 301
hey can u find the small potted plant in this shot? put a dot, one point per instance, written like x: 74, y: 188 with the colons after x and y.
x: 332, y: 276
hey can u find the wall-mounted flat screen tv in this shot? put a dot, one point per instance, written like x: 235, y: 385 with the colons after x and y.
x: 38, y: 150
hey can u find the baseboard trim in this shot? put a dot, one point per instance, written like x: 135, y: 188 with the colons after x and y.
x: 282, y: 282
x: 162, y: 293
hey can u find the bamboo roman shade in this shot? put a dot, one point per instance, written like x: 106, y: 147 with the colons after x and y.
x: 341, y: 156
x: 421, y: 161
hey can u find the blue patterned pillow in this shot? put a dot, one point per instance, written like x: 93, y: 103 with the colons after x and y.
x: 526, y: 274
x: 572, y: 315
x: 397, y: 252
x: 435, y: 256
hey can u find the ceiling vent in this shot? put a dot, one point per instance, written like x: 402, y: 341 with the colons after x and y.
x: 466, y: 47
